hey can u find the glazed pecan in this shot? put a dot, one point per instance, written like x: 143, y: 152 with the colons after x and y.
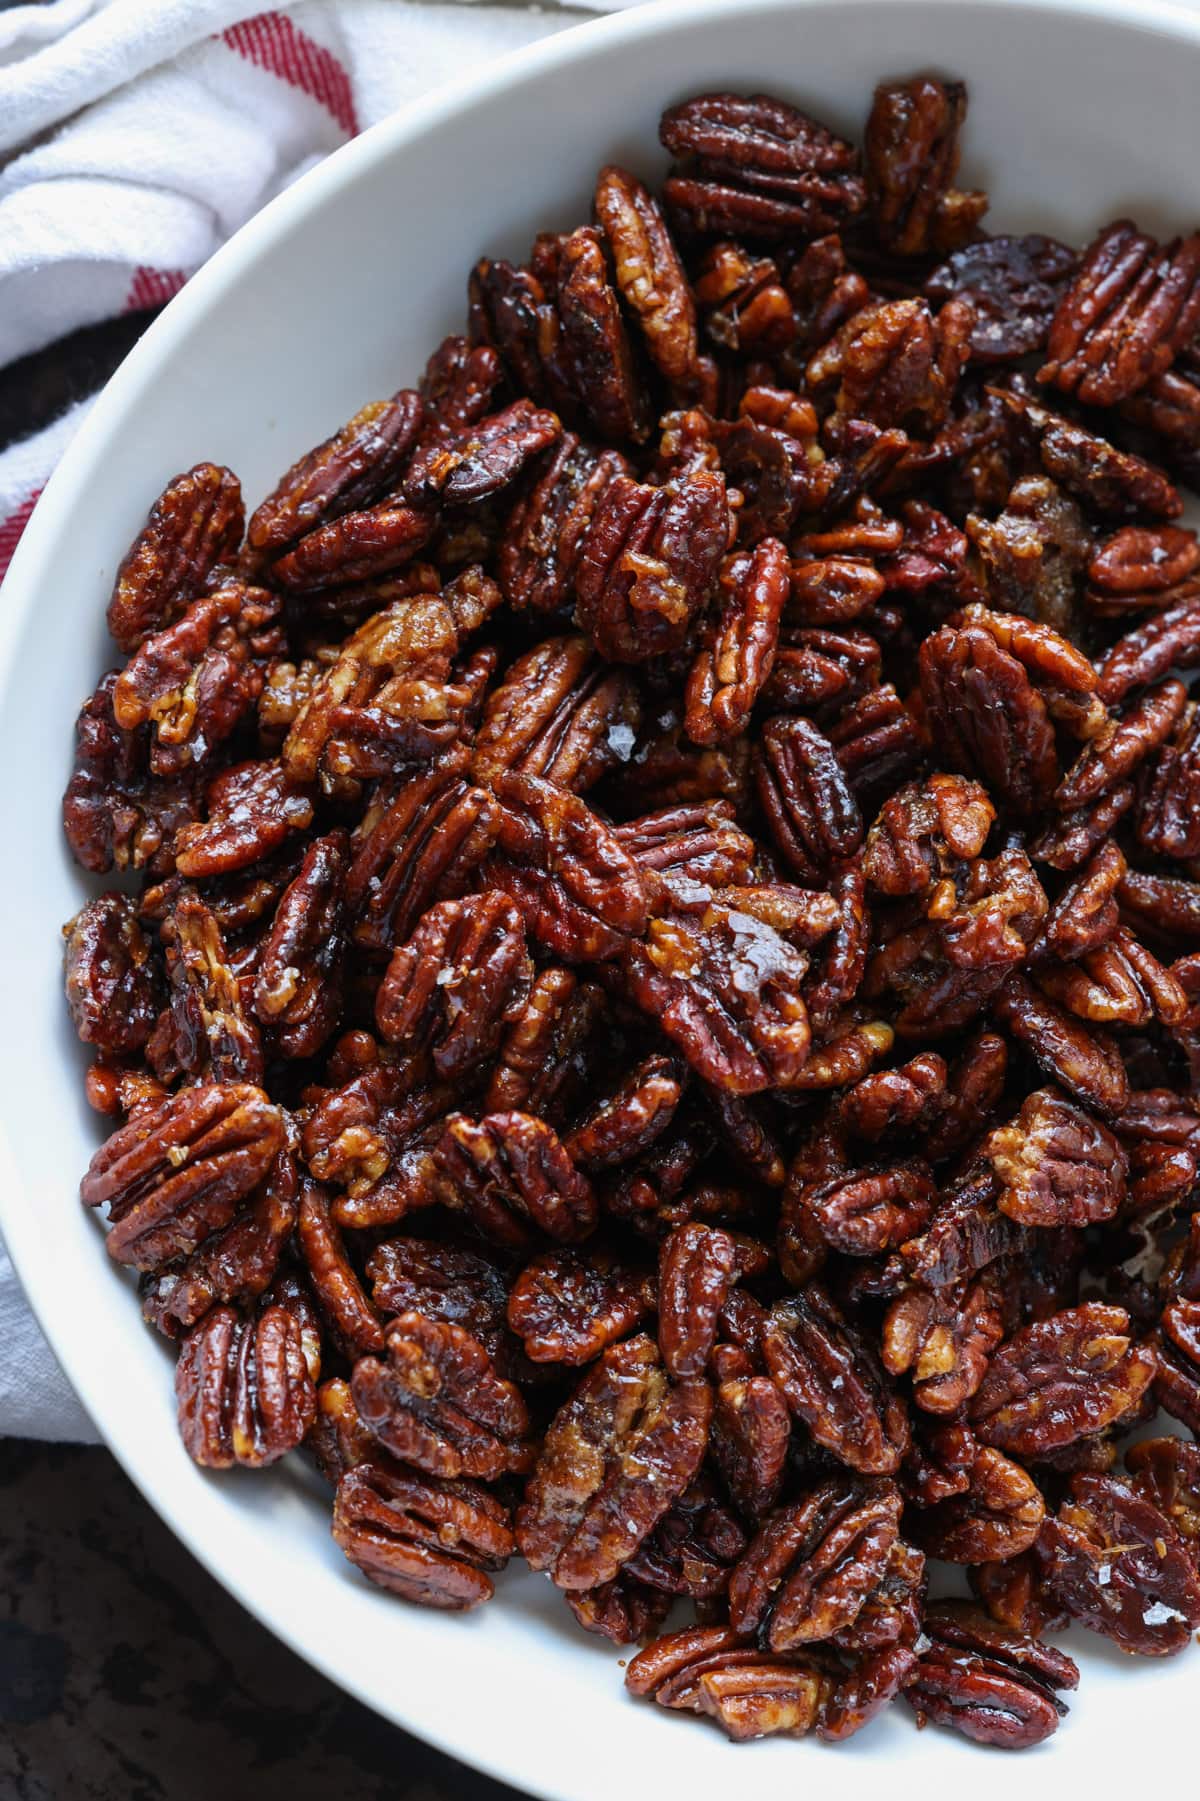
x: 1112, y: 482
x: 628, y: 1121
x: 172, y: 1176
x: 729, y: 675
x: 569, y: 1306
x: 692, y: 1549
x: 991, y: 1684
x: 698, y: 843
x: 1032, y: 556
x: 558, y: 714
x: 113, y: 984
x: 742, y: 301
x: 576, y: 886
x: 724, y: 986
x: 1013, y: 284
x: 998, y: 1516
x: 757, y: 168
x: 1130, y: 309
x: 115, y: 814
x: 438, y: 1404
x: 709, y: 1670
x: 923, y: 831
x: 538, y: 1052
x: 298, y: 978
x: 347, y: 472
x: 652, y: 282
x: 895, y: 364
x: 811, y: 812
x: 943, y: 1338
x: 1115, y: 1563
x: 340, y: 1295
x: 751, y: 1436
x: 1058, y: 1166
x: 1177, y: 1383
x: 1060, y: 1380
x: 809, y: 1570
x: 462, y: 978
x: 194, y: 525
x: 510, y: 1171
x: 649, y: 564
x: 252, y: 809
x: 432, y: 1542
x: 615, y: 1458
x: 546, y: 529
x: 1085, y: 1062
x: 244, y: 1389
x: 911, y: 155
x: 831, y: 1380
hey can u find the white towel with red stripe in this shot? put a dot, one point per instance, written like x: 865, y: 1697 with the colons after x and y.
x: 135, y: 137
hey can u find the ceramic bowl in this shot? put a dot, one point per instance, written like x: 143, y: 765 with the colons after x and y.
x: 332, y: 296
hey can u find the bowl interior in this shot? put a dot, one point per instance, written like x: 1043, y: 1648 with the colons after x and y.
x: 1078, y: 113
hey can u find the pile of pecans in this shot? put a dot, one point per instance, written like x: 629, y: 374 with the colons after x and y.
x: 659, y: 1025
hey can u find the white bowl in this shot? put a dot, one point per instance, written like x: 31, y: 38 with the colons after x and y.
x: 335, y: 295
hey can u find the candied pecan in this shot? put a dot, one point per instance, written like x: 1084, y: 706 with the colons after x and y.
x: 698, y: 1265
x: 546, y: 529
x: 1074, y: 836
x: 419, y: 841
x: 569, y: 1306
x: 1177, y: 1384
x: 1166, y: 1472
x: 209, y: 1032
x: 594, y: 346
x: 689, y: 844
x: 427, y: 1541
x: 1058, y: 1165
x: 624, y: 1611
x: 114, y: 812
x: 1116, y: 1564
x: 1031, y: 558
x: 1168, y: 640
x: 1140, y: 565
x: 762, y: 169
x: 194, y: 525
x: 986, y: 716
x: 860, y: 1212
x: 831, y: 590
x: 728, y: 675
x: 1110, y: 481
x: 195, y: 681
x: 510, y: 1168
x: 113, y: 985
x: 173, y: 1175
x: 877, y: 744
x: 832, y: 1381
x: 356, y: 546
x: 822, y: 671
x: 751, y: 1435
x: 1124, y: 743
x: 999, y: 1515
x: 993, y: 1685
x: 1084, y: 1062
x: 943, y: 1338
x: 1162, y: 904
x: 1061, y: 1379
x: 538, y: 1051
x: 725, y: 987
x: 895, y: 364
x: 345, y: 473
x: 558, y: 713
x: 649, y: 564
x: 1119, y: 983
x: 813, y: 817
x: 966, y: 1234
x: 1168, y: 820
x: 1014, y: 284
x: 743, y: 302
x: 244, y: 1389
x: 891, y: 1101
x: 460, y: 382
x: 809, y: 1570
x: 235, y: 1263
x: 616, y: 1457
x: 578, y: 889
x: 711, y: 1671
x: 632, y: 1118
x: 512, y: 312
x: 339, y: 1293
x: 1131, y: 307
x: 923, y: 830
x: 838, y: 972
x: 438, y: 1404
x: 463, y: 976
x: 251, y: 808
x: 298, y: 980
x: 374, y: 1137
x: 465, y: 467
x: 693, y: 1548
x: 414, y: 1275
x: 1086, y: 915
x: 651, y: 280
x: 911, y: 156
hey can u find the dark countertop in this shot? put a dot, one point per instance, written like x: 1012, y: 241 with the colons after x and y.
x: 128, y: 1674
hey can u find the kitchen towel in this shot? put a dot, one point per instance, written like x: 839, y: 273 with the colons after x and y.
x: 135, y: 137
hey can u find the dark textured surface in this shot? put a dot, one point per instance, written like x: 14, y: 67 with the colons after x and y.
x: 127, y: 1674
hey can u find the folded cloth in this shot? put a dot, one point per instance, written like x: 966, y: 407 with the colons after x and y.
x: 139, y: 135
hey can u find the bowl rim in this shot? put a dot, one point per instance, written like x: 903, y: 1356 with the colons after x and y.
x: 648, y: 21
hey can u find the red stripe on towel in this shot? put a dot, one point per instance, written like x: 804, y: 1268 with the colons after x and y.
x: 11, y: 529
x: 272, y: 42
x: 152, y: 287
